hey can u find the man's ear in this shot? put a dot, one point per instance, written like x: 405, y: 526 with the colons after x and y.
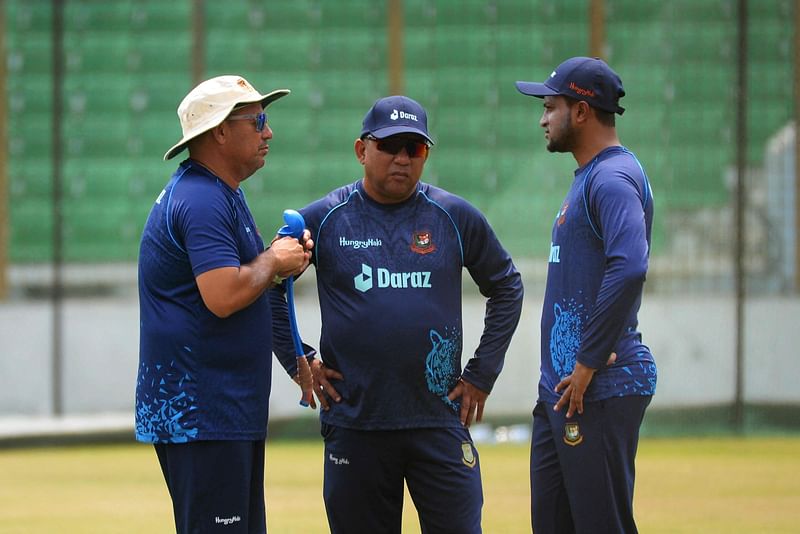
x: 582, y: 111
x: 360, y: 148
x: 220, y: 133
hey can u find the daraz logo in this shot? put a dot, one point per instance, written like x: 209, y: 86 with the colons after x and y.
x: 365, y: 280
x: 402, y: 115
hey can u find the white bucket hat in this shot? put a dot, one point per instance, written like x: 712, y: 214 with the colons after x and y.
x: 208, y: 104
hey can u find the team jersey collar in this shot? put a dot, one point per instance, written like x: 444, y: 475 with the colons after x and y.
x: 366, y: 197
x: 598, y: 157
x: 199, y: 168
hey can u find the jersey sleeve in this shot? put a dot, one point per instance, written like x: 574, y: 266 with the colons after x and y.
x: 616, y: 204
x: 202, y: 223
x: 493, y: 270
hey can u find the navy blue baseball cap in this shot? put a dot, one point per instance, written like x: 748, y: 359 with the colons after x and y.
x: 583, y: 78
x: 393, y: 115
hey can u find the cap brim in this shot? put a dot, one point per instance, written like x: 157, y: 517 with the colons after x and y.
x: 535, y: 89
x: 272, y: 97
x: 265, y: 100
x: 394, y: 130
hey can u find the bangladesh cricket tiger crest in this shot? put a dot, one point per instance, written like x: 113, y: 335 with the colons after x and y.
x: 562, y: 214
x: 572, y: 434
x: 467, y: 454
x: 440, y: 365
x: 421, y: 242
x: 565, y: 339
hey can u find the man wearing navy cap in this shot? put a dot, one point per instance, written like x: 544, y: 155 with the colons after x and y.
x: 590, y: 406
x: 396, y: 404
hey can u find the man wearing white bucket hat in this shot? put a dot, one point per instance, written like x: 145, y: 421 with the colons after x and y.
x: 205, y: 348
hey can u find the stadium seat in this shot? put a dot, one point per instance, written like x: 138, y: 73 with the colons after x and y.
x: 32, y: 54
x: 30, y: 179
x: 171, y: 18
x: 147, y: 55
x: 97, y: 52
x: 337, y: 50
x: 31, y: 230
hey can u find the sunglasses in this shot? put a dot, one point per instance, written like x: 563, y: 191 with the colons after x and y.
x: 260, y: 118
x: 393, y: 146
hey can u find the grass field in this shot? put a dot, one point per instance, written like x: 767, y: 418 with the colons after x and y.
x: 719, y: 485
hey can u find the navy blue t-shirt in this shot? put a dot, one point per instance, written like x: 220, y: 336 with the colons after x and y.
x: 597, y: 266
x: 389, y: 279
x: 200, y: 377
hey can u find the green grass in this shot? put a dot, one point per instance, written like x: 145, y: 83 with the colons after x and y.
x: 714, y: 485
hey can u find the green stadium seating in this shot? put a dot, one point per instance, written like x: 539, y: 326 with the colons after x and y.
x: 156, y: 15
x: 107, y: 92
x: 339, y: 50
x: 147, y: 54
x: 128, y: 65
x: 348, y: 89
x: 336, y: 129
x: 32, y: 54
x: 518, y: 51
x: 28, y: 18
x: 96, y: 179
x: 157, y: 95
x: 232, y: 54
x: 514, y: 13
x: 30, y: 179
x: 97, y: 231
x: 463, y: 46
x: 464, y: 127
x: 234, y: 16
x: 98, y: 52
x: 30, y: 135
x: 352, y: 15
x: 282, y: 174
x: 31, y: 230
x: 285, y: 49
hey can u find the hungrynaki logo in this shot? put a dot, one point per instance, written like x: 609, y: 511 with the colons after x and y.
x: 227, y: 520
x: 364, y: 281
x: 581, y: 91
x: 359, y: 243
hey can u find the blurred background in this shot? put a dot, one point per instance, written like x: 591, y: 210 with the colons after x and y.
x: 90, y: 91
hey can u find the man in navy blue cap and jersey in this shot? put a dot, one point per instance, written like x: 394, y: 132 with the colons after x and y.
x: 597, y: 377
x: 396, y: 404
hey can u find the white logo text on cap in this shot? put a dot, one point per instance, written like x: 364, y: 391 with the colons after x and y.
x: 402, y: 115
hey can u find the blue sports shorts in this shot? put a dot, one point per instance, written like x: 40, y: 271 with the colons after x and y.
x: 216, y: 486
x: 365, y: 473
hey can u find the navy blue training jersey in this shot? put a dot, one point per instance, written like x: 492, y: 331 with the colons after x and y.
x: 389, y: 279
x: 200, y: 377
x: 597, y: 267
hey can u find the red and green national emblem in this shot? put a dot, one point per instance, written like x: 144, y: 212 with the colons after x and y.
x: 422, y: 243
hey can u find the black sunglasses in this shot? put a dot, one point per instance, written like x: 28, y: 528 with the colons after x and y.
x: 393, y: 146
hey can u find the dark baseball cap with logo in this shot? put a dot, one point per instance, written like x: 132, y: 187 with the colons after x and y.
x: 583, y: 78
x: 394, y: 115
